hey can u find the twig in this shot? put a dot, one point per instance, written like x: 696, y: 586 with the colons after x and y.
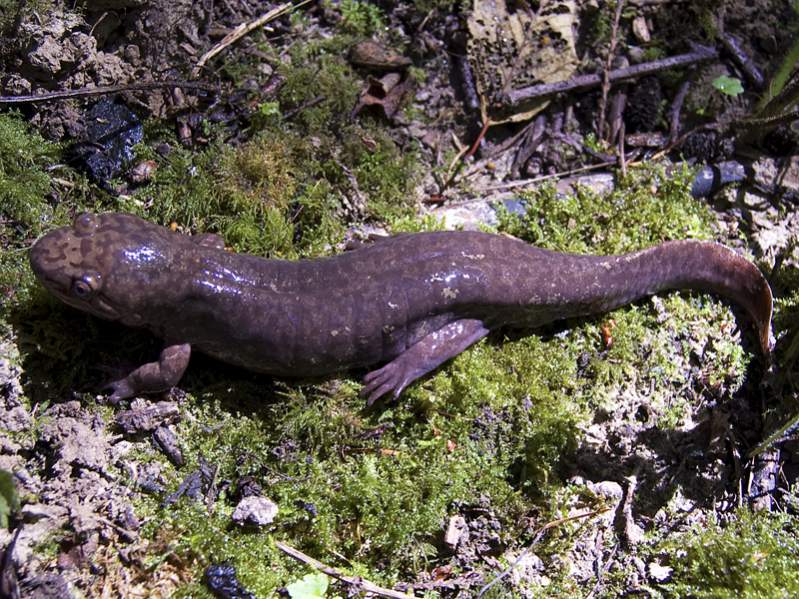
x: 536, y: 539
x: 733, y: 47
x: 767, y: 122
x: 525, y: 182
x: 107, y: 89
x: 617, y: 105
x: 583, y: 82
x: 304, y: 106
x: 355, y: 581
x: 622, y: 157
x: 530, y: 143
x: 600, y: 129
x: 506, y: 145
x: 243, y: 29
x: 486, y: 124
x: 603, y: 571
x: 676, y: 109
x: 679, y: 140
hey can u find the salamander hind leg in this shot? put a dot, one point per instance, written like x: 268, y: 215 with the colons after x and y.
x: 153, y: 376
x: 422, y: 357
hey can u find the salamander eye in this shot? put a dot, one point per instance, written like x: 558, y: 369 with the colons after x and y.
x: 84, y: 287
x: 81, y: 289
x: 85, y: 224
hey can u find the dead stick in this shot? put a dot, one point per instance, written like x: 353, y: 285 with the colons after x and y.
x: 676, y: 109
x: 743, y: 60
x: 108, y: 89
x: 600, y: 129
x: 355, y: 581
x: 583, y: 82
x: 480, y: 137
x: 243, y: 29
x: 525, y: 182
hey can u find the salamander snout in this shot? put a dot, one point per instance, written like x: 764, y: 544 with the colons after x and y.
x: 49, y: 261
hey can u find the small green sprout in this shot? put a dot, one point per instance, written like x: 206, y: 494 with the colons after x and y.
x: 310, y: 586
x: 730, y: 86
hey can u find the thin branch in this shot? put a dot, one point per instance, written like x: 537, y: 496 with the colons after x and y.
x: 733, y: 47
x: 243, y: 29
x: 584, y: 82
x: 525, y: 182
x: 600, y: 129
x: 103, y: 90
x: 768, y: 122
x: 480, y: 137
x: 676, y: 109
x: 355, y: 581
x: 678, y: 141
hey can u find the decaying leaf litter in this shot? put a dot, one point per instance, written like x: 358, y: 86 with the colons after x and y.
x: 618, y: 454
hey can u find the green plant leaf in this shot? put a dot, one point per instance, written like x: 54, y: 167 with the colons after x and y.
x: 269, y: 108
x: 311, y: 586
x: 728, y: 85
x: 9, y: 500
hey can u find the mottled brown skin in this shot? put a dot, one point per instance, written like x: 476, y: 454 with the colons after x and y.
x: 410, y: 302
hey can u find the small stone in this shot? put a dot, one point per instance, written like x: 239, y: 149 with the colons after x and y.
x: 633, y: 533
x: 639, y: 564
x: 256, y: 511
x: 765, y: 171
x: 143, y: 171
x: 31, y: 512
x: 527, y: 570
x: 608, y: 488
x: 659, y: 573
x: 470, y: 216
x: 15, y: 420
x: 455, y: 531
x: 641, y: 30
x: 132, y: 53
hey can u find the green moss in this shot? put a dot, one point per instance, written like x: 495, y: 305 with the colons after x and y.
x: 35, y: 194
x: 647, y: 208
x: 361, y: 18
x: 320, y: 74
x: 23, y: 180
x: 754, y: 555
x: 295, y: 186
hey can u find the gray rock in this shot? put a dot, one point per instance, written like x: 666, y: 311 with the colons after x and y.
x: 456, y: 528
x: 659, y: 573
x: 469, y: 216
x: 256, y: 511
x: 15, y: 420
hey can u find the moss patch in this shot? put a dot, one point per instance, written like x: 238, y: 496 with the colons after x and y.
x: 753, y: 555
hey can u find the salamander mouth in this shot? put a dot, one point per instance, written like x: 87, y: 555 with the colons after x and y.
x: 98, y: 305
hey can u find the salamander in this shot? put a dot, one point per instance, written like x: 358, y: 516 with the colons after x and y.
x: 401, y: 306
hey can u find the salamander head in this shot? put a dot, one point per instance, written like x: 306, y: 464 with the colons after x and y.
x: 110, y: 265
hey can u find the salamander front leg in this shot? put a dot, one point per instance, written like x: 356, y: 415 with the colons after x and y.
x: 153, y: 376
x: 422, y: 357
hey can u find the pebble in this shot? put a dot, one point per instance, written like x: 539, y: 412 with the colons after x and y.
x: 256, y: 511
